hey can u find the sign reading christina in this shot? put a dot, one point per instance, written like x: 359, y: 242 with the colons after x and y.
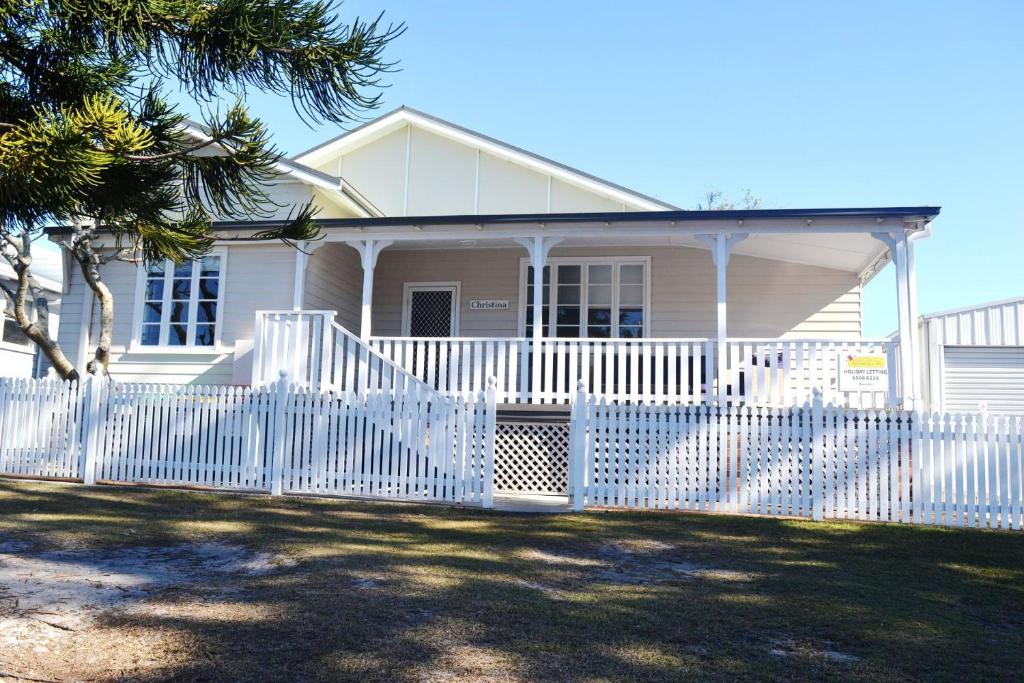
x: 489, y: 305
x: 863, y: 372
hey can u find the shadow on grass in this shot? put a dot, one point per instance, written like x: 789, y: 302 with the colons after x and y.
x: 405, y: 592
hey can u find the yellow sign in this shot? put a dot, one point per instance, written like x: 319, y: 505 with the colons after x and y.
x: 866, y: 361
x: 863, y: 372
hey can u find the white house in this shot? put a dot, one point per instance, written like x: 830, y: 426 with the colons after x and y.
x: 19, y: 356
x: 432, y: 234
x: 974, y: 355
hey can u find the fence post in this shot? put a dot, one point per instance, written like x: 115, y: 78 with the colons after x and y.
x: 277, y: 463
x: 817, y: 455
x: 577, y: 451
x: 490, y: 441
x: 94, y: 386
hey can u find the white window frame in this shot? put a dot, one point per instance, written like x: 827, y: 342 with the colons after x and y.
x: 454, y: 286
x: 140, y: 298
x: 583, y: 262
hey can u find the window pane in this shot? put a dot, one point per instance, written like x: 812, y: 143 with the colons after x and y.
x: 562, y: 331
x: 600, y: 275
x: 180, y: 289
x: 599, y: 316
x: 568, y: 294
x: 630, y: 332
x: 206, y: 312
x: 568, y: 275
x: 151, y: 312
x: 545, y: 317
x: 631, y: 295
x: 178, y: 335
x: 568, y: 315
x: 154, y: 289
x: 150, y: 335
x: 155, y: 268
x: 631, y: 316
x: 547, y: 275
x: 183, y: 269
x: 600, y: 295
x: 204, y: 335
x: 599, y: 331
x: 632, y: 275
x: 210, y: 266
x: 179, y: 312
x: 12, y: 334
x: 208, y: 288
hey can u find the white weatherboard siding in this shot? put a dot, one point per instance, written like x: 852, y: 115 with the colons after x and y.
x: 766, y: 298
x: 334, y: 282
x: 971, y: 355
x: 257, y: 277
x: 413, y: 172
x: 17, y: 360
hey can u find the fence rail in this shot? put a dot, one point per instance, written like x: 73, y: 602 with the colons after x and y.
x: 812, y: 461
x: 406, y: 443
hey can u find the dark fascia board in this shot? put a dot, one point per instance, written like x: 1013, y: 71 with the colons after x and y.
x: 927, y: 213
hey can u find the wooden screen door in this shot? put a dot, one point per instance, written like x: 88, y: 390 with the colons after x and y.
x: 431, y: 310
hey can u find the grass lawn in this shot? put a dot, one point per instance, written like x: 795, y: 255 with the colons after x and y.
x: 371, y: 591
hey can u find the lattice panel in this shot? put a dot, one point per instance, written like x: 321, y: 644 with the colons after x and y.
x: 430, y: 313
x: 532, y: 457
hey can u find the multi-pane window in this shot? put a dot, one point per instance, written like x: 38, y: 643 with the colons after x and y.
x: 590, y: 299
x: 179, y: 305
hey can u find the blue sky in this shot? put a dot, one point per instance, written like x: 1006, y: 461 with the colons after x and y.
x: 808, y: 104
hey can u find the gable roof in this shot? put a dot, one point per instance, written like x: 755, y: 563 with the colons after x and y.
x: 404, y: 116
x: 332, y: 185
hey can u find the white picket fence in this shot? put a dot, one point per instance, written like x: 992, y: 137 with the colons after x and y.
x: 812, y: 461
x: 409, y: 443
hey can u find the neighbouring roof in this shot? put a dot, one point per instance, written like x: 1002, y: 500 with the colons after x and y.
x: 404, y: 115
x: 46, y: 269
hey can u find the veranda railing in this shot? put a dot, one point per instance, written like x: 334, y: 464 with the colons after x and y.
x: 319, y: 352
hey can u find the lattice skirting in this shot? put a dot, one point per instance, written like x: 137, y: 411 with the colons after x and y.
x: 532, y: 457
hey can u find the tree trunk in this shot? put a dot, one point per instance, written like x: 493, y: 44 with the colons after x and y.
x: 89, y: 261
x: 37, y: 330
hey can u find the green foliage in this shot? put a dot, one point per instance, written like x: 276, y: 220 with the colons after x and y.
x: 86, y: 131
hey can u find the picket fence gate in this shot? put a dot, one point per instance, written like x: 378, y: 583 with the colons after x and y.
x: 410, y: 443
x: 817, y: 461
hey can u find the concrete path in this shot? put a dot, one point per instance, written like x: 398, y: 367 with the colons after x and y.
x: 538, y: 503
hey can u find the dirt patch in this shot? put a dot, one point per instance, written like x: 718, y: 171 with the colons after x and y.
x: 824, y: 651
x: 47, y: 594
x: 630, y: 562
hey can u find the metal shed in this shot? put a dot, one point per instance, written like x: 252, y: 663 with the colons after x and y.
x: 974, y: 355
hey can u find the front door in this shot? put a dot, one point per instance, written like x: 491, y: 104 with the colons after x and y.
x: 431, y: 310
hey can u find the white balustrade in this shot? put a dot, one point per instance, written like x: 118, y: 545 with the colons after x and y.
x: 778, y: 372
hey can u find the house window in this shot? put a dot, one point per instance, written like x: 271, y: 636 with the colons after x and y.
x: 181, y: 303
x: 597, y: 298
x: 12, y: 334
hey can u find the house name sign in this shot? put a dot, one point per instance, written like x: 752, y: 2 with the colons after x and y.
x: 489, y: 304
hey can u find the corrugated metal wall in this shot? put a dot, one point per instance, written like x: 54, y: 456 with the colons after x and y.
x: 961, y: 369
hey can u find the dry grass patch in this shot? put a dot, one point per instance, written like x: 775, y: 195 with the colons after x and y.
x: 159, y: 584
